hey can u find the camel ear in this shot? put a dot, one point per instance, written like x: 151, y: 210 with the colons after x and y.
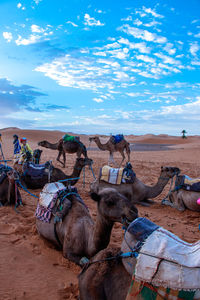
x: 95, y: 197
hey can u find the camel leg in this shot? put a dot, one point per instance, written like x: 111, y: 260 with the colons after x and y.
x: 175, y: 201
x: 58, y: 158
x: 111, y: 159
x: 123, y: 157
x: 64, y: 158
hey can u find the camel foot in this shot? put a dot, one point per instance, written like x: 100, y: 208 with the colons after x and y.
x: 166, y: 202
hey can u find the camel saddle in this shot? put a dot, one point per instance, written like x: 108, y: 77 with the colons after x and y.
x: 55, y: 200
x: 36, y: 171
x: 117, y: 175
x: 187, y: 183
x: 3, y: 172
x: 115, y: 139
x: 164, y: 259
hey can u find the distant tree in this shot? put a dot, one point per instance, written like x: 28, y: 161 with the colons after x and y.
x: 184, y: 134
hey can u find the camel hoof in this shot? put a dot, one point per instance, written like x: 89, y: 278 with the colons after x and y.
x: 165, y: 202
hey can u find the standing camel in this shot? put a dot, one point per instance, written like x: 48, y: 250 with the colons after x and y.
x: 78, y: 234
x: 74, y: 146
x: 111, y: 147
x: 137, y: 191
x: 36, y: 182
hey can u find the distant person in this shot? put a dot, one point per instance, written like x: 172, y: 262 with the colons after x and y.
x: 17, y: 148
x: 184, y: 134
x: 24, y: 149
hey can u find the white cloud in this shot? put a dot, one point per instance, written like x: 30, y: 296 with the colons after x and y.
x: 31, y: 40
x: 8, y: 36
x: 19, y: 5
x: 98, y: 100
x: 143, y: 34
x: 89, y: 21
x: 72, y: 23
x: 142, y: 47
x: 152, y: 12
x: 194, y: 48
x: 169, y: 49
x: 36, y: 28
x: 167, y: 59
x: 146, y: 58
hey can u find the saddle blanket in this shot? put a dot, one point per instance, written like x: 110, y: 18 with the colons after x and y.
x: 166, y: 260
x: 117, y: 138
x: 117, y: 175
x: 49, y: 192
x: 189, y: 184
x: 143, y: 291
x: 70, y: 138
x: 34, y: 170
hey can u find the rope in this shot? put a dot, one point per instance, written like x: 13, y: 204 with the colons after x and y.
x: 170, y: 188
x: 26, y: 190
x: 69, y: 179
x: 92, y: 172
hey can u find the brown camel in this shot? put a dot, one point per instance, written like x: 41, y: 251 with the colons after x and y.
x: 78, y: 234
x: 110, y: 279
x: 183, y: 199
x: 9, y: 193
x: 75, y: 146
x: 55, y: 174
x: 104, y: 280
x: 111, y: 147
x: 137, y: 191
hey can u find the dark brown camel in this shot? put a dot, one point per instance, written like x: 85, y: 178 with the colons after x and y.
x: 75, y: 146
x: 9, y: 193
x: 78, y: 233
x: 111, y: 147
x: 55, y: 174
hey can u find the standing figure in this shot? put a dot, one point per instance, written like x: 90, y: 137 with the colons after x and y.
x: 17, y: 148
x: 183, y: 134
x: 25, y: 150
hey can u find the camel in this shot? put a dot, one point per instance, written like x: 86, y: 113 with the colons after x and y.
x: 108, y: 276
x: 182, y: 199
x: 137, y: 191
x: 53, y: 174
x: 36, y: 156
x: 78, y: 234
x: 111, y: 147
x: 9, y: 193
x: 70, y: 147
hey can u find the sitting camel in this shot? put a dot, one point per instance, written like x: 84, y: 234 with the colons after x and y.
x: 75, y: 146
x: 108, y: 276
x: 36, y: 156
x: 9, y: 193
x: 78, y: 234
x: 112, y: 147
x: 183, y: 197
x: 48, y: 173
x: 137, y: 191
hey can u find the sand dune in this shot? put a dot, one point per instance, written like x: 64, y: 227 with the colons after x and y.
x: 31, y: 268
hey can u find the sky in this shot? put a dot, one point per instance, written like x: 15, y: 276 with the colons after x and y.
x: 100, y: 67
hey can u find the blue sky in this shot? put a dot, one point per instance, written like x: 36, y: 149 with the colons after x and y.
x: 104, y: 67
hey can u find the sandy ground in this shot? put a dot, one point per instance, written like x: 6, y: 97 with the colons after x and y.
x: 31, y: 268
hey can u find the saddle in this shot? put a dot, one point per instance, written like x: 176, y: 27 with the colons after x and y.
x: 164, y: 259
x: 36, y: 171
x: 115, y: 139
x: 117, y: 175
x: 187, y: 183
x: 70, y: 138
x: 55, y: 201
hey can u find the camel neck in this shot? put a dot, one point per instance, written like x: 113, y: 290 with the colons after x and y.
x: 52, y: 146
x: 101, y: 235
x: 76, y: 173
x: 100, y: 145
x: 154, y: 191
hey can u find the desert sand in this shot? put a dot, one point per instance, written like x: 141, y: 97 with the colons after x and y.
x: 30, y: 267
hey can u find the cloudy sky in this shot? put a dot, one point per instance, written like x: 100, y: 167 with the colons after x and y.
x: 114, y: 66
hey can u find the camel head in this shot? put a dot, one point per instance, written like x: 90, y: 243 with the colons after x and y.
x: 43, y: 144
x: 114, y: 207
x: 37, y: 153
x: 94, y: 138
x: 169, y: 172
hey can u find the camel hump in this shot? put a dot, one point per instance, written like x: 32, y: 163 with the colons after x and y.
x: 70, y: 138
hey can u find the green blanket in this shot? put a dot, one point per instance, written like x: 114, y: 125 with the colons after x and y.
x: 69, y: 138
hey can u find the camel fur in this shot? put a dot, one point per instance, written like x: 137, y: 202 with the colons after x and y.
x: 8, y: 190
x: 111, y: 147
x: 137, y: 191
x: 66, y: 147
x: 79, y: 235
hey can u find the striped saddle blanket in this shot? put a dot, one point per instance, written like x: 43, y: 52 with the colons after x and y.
x: 117, y: 175
x: 36, y: 171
